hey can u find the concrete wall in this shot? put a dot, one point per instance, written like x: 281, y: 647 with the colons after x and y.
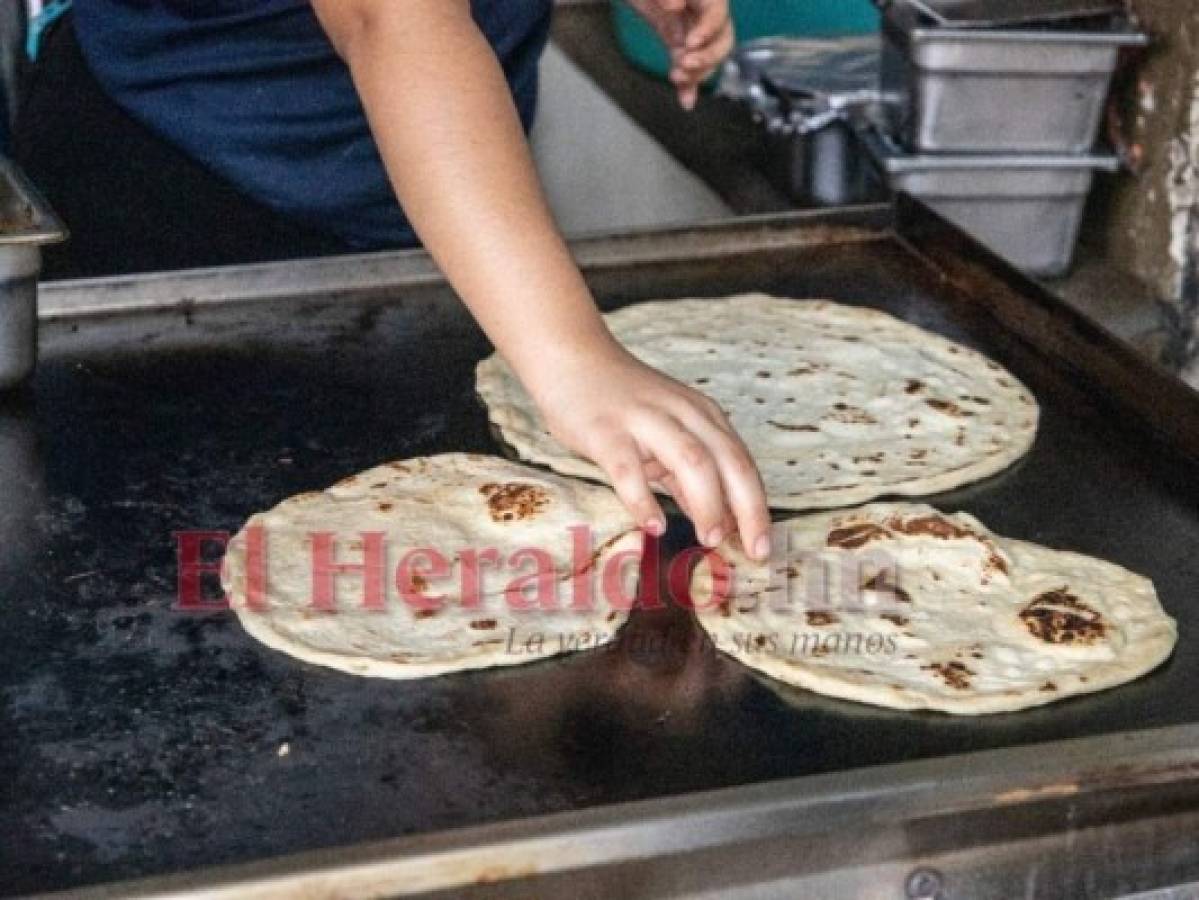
x: 1150, y: 221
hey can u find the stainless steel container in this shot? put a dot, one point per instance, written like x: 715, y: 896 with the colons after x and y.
x: 805, y: 93
x: 968, y: 90
x: 1026, y: 208
x: 26, y: 222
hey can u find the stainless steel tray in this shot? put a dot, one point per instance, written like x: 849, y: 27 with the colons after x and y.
x: 1001, y: 13
x: 804, y: 94
x: 978, y: 91
x: 1026, y: 208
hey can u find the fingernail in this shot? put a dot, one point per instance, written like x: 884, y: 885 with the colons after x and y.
x: 715, y: 536
x: 656, y: 527
x: 762, y: 547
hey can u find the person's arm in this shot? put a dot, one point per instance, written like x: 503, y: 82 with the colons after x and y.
x: 450, y: 137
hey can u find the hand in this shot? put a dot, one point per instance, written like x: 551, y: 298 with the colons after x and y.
x: 640, y: 426
x: 698, y: 34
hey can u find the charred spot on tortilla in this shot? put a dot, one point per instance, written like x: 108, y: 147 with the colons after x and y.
x: 820, y: 618
x: 514, y: 501
x: 882, y: 584
x: 1058, y: 617
x: 851, y: 537
x: 955, y: 674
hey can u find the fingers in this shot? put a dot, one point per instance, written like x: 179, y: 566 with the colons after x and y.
x: 741, y: 482
x: 704, y: 59
x: 707, y: 42
x: 623, y: 465
x: 710, y: 19
x: 693, y: 468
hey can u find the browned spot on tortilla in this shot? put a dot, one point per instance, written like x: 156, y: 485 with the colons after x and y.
x: 398, y: 466
x: 378, y: 484
x: 883, y: 584
x: 896, y: 620
x: 953, y: 673
x: 944, y: 529
x: 850, y: 537
x: 702, y: 380
x: 948, y: 408
x: 423, y: 613
x: 870, y: 457
x: 611, y: 617
x: 930, y: 526
x: 386, y: 506
x: 1049, y: 686
x: 1058, y: 617
x: 912, y: 423
x: 483, y: 624
x: 914, y: 386
x: 760, y: 641
x: 917, y: 454
x: 762, y: 373
x: 851, y: 415
x: 808, y: 369
x: 789, y: 571
x: 783, y: 426
x: 514, y: 501
x: 723, y: 609
x: 820, y: 618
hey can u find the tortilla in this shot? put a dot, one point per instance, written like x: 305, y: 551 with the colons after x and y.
x: 837, y: 404
x: 562, y: 576
x: 902, y: 606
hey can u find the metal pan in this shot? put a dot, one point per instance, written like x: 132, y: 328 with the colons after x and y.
x: 1006, y: 13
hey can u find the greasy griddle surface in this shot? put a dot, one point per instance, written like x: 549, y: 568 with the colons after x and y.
x: 137, y: 739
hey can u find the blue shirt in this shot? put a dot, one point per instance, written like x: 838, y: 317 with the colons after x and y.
x: 254, y: 90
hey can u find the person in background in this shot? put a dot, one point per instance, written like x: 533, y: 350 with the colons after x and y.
x: 183, y: 133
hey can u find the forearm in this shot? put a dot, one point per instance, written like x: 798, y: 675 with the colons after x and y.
x: 451, y: 140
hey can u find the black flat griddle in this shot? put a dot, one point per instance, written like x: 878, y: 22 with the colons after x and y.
x: 137, y: 740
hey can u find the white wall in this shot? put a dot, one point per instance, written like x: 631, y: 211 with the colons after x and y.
x: 601, y: 171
